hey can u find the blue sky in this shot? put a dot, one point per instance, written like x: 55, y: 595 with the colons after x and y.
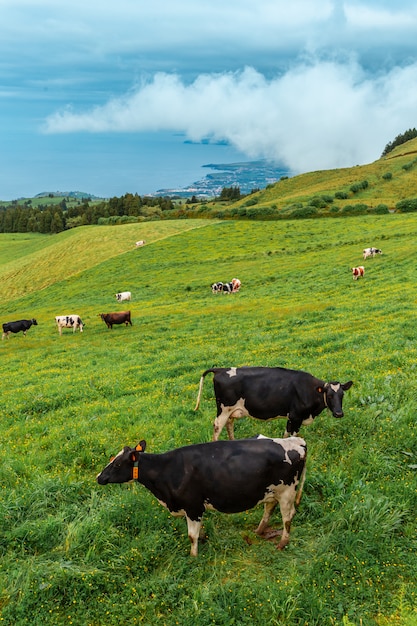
x: 97, y: 96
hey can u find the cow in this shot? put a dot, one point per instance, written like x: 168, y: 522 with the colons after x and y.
x: 216, y: 287
x: 223, y: 287
x: 358, y: 272
x: 269, y: 392
x: 122, y: 317
x: 123, y: 295
x: 236, y: 284
x: 371, y: 252
x: 17, y: 327
x: 227, y: 476
x: 140, y: 243
x: 69, y: 321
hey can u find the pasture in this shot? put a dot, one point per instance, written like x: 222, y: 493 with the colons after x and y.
x: 74, y: 552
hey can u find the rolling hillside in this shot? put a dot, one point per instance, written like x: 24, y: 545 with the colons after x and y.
x: 390, y: 179
x: 75, y: 552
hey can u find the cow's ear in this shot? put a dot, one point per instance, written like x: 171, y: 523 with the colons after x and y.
x: 134, y: 456
x: 141, y: 446
x: 347, y: 385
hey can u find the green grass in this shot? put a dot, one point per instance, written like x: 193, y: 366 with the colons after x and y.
x: 74, y: 552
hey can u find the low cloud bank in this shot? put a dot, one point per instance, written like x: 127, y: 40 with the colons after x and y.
x: 315, y: 116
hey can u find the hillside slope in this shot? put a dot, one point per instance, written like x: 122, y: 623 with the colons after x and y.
x: 29, y: 262
x: 389, y: 180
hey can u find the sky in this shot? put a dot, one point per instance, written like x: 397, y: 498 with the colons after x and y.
x: 116, y: 97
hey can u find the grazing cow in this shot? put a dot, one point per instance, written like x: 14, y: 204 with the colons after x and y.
x: 358, y: 272
x: 236, y: 284
x: 123, y: 317
x: 140, y: 243
x: 224, y: 287
x: 270, y: 392
x: 16, y: 327
x: 69, y: 321
x: 227, y: 476
x: 371, y: 252
x: 123, y: 295
x: 216, y: 287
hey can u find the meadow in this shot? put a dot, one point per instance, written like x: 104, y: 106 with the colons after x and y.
x: 76, y: 553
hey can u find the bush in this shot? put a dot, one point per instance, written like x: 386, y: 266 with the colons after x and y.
x: 381, y: 209
x: 341, y: 195
x: 355, y: 209
x: 407, y: 206
x: 305, y: 211
x: 318, y: 202
x: 387, y: 176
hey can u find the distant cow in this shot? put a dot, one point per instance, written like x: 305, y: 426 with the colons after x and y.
x: 227, y: 476
x: 371, y: 252
x: 140, y: 243
x: 123, y: 295
x: 69, y: 321
x: 226, y: 287
x: 269, y: 392
x: 236, y: 284
x: 122, y: 317
x: 358, y: 272
x: 17, y: 327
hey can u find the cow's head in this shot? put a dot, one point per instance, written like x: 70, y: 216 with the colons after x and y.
x: 333, y: 396
x: 34, y: 322
x: 124, y: 467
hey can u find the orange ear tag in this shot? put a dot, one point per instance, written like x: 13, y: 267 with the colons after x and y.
x: 135, y: 473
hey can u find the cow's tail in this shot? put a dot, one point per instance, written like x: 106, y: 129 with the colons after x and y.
x: 302, y: 480
x: 200, y: 389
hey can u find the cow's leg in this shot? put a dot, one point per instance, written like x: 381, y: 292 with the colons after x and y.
x: 286, y: 504
x: 230, y: 428
x: 194, y: 530
x: 268, y: 510
x: 219, y: 423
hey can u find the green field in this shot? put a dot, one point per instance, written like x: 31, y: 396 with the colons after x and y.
x: 77, y: 553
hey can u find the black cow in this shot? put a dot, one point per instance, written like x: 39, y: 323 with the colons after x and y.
x: 268, y: 392
x: 122, y: 317
x: 17, y: 327
x: 227, y: 476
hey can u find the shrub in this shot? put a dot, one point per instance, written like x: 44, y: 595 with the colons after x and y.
x: 354, y: 209
x: 407, y: 206
x: 381, y: 209
x: 341, y: 195
x: 387, y: 176
x: 318, y: 202
x: 305, y: 211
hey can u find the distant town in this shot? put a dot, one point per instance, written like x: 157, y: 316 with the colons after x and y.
x: 246, y: 175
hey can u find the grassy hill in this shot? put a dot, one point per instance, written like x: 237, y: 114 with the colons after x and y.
x: 74, y: 552
x: 390, y: 179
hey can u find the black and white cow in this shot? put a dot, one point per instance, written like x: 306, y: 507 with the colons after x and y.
x: 220, y: 287
x: 269, y: 392
x: 17, y: 327
x: 123, y: 295
x: 371, y: 252
x: 227, y: 476
x: 69, y: 321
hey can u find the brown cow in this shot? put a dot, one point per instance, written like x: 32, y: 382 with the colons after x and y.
x: 358, y: 272
x: 122, y: 317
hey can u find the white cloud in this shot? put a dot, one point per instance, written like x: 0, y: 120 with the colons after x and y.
x: 315, y: 116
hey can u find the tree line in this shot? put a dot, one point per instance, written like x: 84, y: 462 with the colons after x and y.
x: 54, y: 218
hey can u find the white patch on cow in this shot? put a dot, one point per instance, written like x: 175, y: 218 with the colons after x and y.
x: 193, y: 534
x: 229, y: 413
x: 232, y: 372
x: 335, y: 388
x: 289, y: 443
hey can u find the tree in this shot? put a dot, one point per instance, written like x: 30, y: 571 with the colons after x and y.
x: 411, y: 133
